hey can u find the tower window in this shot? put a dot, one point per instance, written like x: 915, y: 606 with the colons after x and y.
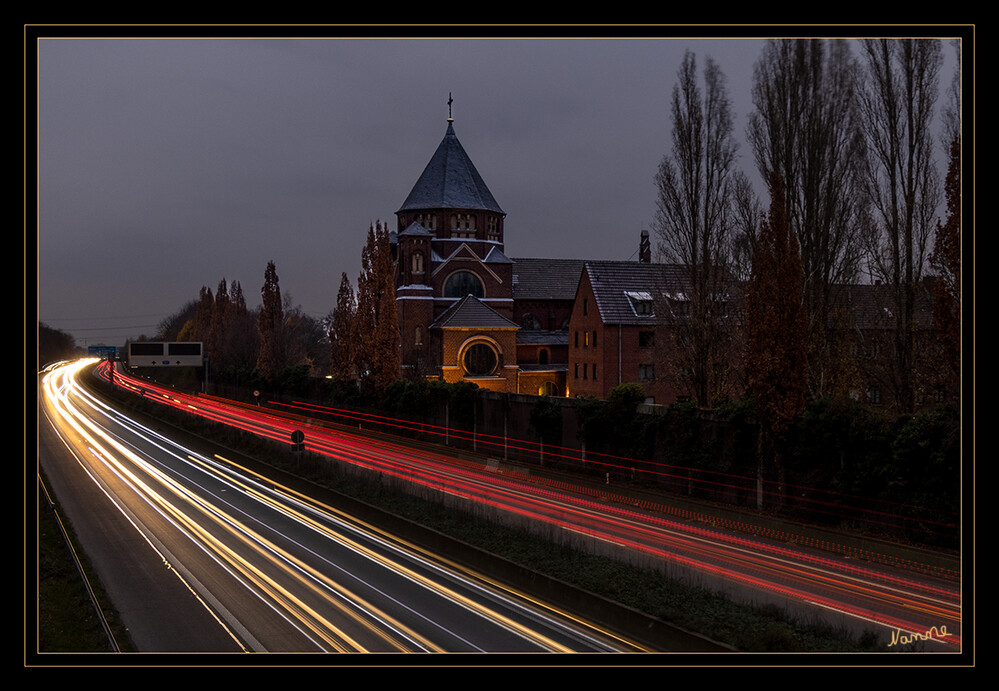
x: 428, y: 221
x: 463, y: 225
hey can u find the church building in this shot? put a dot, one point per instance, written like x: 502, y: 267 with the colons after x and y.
x: 568, y: 327
x: 467, y: 311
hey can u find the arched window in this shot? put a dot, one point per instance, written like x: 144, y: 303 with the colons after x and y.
x: 530, y: 323
x: 547, y: 389
x: 480, y: 360
x: 417, y: 262
x: 543, y: 356
x: 462, y: 283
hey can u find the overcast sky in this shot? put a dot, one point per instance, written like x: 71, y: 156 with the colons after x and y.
x: 169, y: 164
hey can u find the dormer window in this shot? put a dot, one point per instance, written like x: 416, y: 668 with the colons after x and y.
x: 641, y: 303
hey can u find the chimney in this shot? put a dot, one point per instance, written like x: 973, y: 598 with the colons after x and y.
x: 645, y: 249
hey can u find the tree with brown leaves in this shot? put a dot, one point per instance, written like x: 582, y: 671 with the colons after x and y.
x: 270, y: 360
x: 946, y: 260
x: 776, y: 334
x: 341, y: 343
x: 376, y: 336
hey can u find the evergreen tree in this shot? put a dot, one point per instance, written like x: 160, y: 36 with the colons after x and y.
x: 776, y: 333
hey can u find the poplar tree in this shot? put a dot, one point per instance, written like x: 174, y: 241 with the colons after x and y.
x: 203, y: 316
x: 899, y: 99
x: 217, y: 341
x: 270, y: 361
x: 242, y: 336
x: 375, y: 336
x: 946, y: 261
x: 694, y: 222
x: 776, y: 336
x: 341, y: 343
x: 806, y: 129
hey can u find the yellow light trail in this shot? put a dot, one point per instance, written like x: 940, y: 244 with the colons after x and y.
x: 260, y: 563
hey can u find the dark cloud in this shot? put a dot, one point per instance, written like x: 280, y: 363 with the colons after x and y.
x: 165, y: 165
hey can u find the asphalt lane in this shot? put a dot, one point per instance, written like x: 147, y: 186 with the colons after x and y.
x: 159, y: 610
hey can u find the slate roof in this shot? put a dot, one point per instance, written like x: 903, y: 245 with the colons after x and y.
x: 450, y: 181
x: 871, y: 306
x: 496, y: 256
x: 619, y: 285
x: 472, y: 313
x: 416, y: 229
x: 546, y: 279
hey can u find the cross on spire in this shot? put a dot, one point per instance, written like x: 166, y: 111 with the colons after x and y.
x: 449, y: 100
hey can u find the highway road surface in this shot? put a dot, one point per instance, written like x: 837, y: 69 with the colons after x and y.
x: 206, y: 556
x: 317, y: 579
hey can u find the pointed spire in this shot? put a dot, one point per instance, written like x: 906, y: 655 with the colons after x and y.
x: 450, y: 180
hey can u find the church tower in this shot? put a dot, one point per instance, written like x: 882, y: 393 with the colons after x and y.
x: 453, y: 281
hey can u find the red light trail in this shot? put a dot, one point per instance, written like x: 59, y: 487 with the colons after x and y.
x: 896, y: 601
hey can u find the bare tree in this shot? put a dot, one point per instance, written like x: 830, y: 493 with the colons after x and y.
x: 902, y: 184
x: 694, y: 224
x: 806, y: 130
